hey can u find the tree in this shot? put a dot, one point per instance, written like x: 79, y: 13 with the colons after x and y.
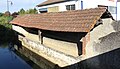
x: 32, y: 11
x: 35, y: 11
x: 1, y: 14
x: 15, y: 14
x: 22, y: 11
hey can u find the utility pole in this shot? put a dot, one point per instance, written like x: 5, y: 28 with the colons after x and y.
x: 8, y: 4
x: 8, y: 12
x: 116, y: 9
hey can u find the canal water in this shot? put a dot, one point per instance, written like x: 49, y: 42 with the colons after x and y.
x: 10, y: 59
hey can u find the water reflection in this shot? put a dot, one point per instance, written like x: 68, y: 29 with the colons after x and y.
x: 11, y: 60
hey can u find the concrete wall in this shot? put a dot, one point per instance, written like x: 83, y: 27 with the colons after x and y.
x: 20, y: 30
x: 51, y: 49
x: 105, y: 50
x: 102, y: 52
x: 62, y: 46
x: 98, y: 32
x: 66, y: 42
x: 25, y: 33
x: 49, y: 54
x: 41, y: 62
x: 68, y: 48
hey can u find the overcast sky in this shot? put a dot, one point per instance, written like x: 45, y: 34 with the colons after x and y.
x: 18, y: 4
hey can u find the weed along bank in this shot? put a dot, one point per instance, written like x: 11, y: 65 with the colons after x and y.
x: 64, y: 38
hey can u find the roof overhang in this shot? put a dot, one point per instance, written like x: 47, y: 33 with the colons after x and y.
x: 49, y: 2
x: 68, y: 21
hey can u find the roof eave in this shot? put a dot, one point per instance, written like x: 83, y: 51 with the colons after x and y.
x: 52, y: 3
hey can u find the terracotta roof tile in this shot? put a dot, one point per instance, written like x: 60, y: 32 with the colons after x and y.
x: 68, y: 21
x: 48, y: 2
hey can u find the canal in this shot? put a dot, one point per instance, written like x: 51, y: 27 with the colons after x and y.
x: 10, y: 59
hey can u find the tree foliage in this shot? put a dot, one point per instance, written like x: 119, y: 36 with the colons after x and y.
x: 15, y: 14
x: 22, y: 11
x: 5, y: 19
x: 30, y: 11
x: 1, y: 14
x: 6, y: 32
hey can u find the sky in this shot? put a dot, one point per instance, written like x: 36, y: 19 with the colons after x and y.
x: 18, y: 4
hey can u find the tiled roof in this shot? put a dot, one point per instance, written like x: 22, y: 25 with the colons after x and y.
x: 68, y: 21
x: 48, y: 2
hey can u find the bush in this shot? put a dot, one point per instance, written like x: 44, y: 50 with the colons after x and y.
x: 5, y: 19
x: 6, y: 32
x: 1, y: 14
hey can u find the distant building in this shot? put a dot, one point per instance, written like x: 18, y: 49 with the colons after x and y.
x: 65, y: 5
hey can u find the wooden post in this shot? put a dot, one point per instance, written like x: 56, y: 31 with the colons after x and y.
x: 40, y: 36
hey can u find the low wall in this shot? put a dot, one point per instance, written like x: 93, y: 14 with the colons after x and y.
x: 102, y: 52
x: 62, y: 46
x: 25, y: 33
x: 19, y: 30
x: 98, y: 32
x: 52, y: 55
x: 41, y: 62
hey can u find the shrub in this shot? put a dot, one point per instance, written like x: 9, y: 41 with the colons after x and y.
x: 6, y: 32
